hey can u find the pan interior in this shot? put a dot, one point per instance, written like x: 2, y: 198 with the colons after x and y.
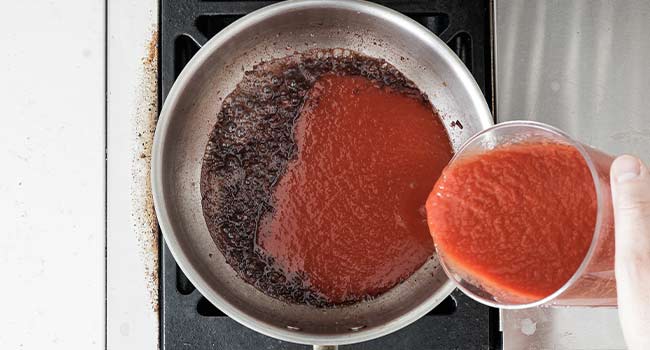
x: 190, y: 113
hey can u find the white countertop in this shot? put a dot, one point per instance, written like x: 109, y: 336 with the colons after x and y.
x: 69, y: 124
x: 52, y: 175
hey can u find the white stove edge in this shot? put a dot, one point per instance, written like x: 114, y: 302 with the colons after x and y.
x: 132, y: 238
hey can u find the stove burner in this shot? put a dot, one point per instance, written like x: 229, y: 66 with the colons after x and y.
x: 187, y: 318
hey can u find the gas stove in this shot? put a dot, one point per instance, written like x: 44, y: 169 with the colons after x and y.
x: 187, y: 319
x: 577, y: 65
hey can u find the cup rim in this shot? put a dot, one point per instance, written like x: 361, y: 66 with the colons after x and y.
x: 597, y: 227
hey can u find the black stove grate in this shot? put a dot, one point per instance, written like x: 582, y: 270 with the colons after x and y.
x: 187, y: 319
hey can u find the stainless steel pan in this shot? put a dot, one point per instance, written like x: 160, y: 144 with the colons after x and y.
x: 188, y: 116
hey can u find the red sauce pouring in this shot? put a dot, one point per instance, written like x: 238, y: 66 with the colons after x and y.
x: 349, y: 211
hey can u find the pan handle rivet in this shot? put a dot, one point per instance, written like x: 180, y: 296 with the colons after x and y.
x: 357, y: 328
x: 293, y: 328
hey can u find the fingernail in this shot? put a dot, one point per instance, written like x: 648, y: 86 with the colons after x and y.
x: 626, y: 168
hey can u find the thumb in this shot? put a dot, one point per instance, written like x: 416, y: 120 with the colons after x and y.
x: 630, y: 182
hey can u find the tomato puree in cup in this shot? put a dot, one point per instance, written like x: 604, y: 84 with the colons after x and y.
x: 518, y: 219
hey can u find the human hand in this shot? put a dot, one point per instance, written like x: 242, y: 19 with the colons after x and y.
x: 630, y: 181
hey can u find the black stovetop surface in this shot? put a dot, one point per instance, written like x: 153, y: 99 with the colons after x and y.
x: 187, y: 319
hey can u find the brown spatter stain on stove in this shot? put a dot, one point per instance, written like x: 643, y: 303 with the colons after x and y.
x: 152, y: 50
x: 145, y: 224
x: 457, y: 123
x: 250, y: 148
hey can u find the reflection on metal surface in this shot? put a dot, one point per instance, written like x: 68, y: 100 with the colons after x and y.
x: 578, y: 65
x: 581, y: 66
x: 561, y: 329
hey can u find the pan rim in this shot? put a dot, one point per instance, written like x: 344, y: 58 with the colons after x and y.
x: 157, y: 172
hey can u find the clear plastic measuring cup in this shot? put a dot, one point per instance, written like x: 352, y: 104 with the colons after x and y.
x: 593, y: 283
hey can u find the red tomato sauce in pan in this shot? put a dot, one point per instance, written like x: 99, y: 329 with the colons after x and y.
x: 519, y: 219
x: 349, y: 210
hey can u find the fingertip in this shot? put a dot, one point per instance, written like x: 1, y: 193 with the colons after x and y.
x: 626, y: 168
